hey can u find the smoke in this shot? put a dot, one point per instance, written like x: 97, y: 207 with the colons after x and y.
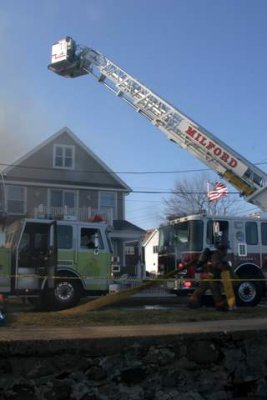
x: 21, y: 126
x: 23, y: 117
x: 27, y: 114
x: 14, y: 110
x: 23, y: 112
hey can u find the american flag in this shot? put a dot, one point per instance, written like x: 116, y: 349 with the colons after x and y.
x: 218, y: 191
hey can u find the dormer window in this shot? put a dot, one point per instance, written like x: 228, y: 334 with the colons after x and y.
x: 63, y: 156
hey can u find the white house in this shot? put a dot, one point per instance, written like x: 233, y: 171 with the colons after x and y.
x: 150, y: 250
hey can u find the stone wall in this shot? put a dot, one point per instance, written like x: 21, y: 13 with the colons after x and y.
x: 213, y: 366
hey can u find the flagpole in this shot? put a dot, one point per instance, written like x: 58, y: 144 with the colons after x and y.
x: 208, y: 189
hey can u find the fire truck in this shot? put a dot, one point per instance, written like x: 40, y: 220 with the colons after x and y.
x: 183, y: 239
x: 186, y: 237
x: 54, y: 263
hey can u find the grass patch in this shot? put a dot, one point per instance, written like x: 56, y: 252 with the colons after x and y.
x: 121, y: 316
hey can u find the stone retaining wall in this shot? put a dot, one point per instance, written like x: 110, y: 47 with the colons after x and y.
x: 214, y: 366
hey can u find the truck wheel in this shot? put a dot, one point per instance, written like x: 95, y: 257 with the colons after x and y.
x: 248, y: 293
x: 66, y: 294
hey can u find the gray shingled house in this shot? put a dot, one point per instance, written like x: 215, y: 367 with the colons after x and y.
x: 63, y: 178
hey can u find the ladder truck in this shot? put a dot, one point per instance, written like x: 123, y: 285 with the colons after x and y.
x: 247, y: 239
x: 71, y: 60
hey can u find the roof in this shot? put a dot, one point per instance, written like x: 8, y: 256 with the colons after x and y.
x: 126, y: 231
x: 67, y: 131
x: 123, y: 225
x: 150, y: 233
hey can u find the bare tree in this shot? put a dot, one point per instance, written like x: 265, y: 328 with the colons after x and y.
x: 189, y: 196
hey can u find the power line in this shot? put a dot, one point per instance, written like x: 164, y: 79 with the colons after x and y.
x: 172, y: 192
x: 154, y: 192
x: 107, y: 172
x: 116, y: 172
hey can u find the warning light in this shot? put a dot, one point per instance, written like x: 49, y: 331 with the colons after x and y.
x: 180, y: 265
x: 187, y: 284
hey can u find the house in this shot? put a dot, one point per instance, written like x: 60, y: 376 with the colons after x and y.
x: 150, y: 251
x: 133, y: 257
x: 62, y: 178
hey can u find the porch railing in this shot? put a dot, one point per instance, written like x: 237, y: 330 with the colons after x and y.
x: 78, y: 214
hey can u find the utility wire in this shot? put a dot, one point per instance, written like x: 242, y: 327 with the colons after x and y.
x: 105, y: 172
x: 172, y: 192
x: 128, y: 172
x: 114, y: 172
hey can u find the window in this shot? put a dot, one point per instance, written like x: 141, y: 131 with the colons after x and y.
x: 62, y: 198
x: 251, y: 233
x: 63, y: 156
x: 25, y: 242
x: 264, y: 233
x: 89, y: 237
x: 155, y: 249
x: 64, y: 237
x: 242, y: 249
x: 217, y: 231
x: 166, y: 238
x: 33, y: 245
x: 188, y: 236
x: 15, y: 200
x: 40, y: 242
x: 108, y: 201
x: 129, y: 250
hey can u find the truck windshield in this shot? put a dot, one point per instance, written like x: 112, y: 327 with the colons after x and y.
x: 184, y: 236
x: 188, y: 235
x: 166, y: 239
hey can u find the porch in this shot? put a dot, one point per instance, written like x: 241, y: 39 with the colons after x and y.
x: 74, y: 214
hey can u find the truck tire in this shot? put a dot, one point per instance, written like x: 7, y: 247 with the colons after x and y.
x: 248, y: 292
x: 66, y: 294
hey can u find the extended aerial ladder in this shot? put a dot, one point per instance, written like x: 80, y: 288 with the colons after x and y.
x: 71, y: 60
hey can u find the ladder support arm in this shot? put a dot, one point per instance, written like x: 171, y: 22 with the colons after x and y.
x: 71, y: 60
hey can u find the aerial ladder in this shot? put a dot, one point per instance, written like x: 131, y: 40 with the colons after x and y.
x: 71, y: 60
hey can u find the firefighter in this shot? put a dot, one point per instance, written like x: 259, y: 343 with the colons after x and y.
x: 218, y: 265
x: 211, y: 266
x: 202, y: 266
